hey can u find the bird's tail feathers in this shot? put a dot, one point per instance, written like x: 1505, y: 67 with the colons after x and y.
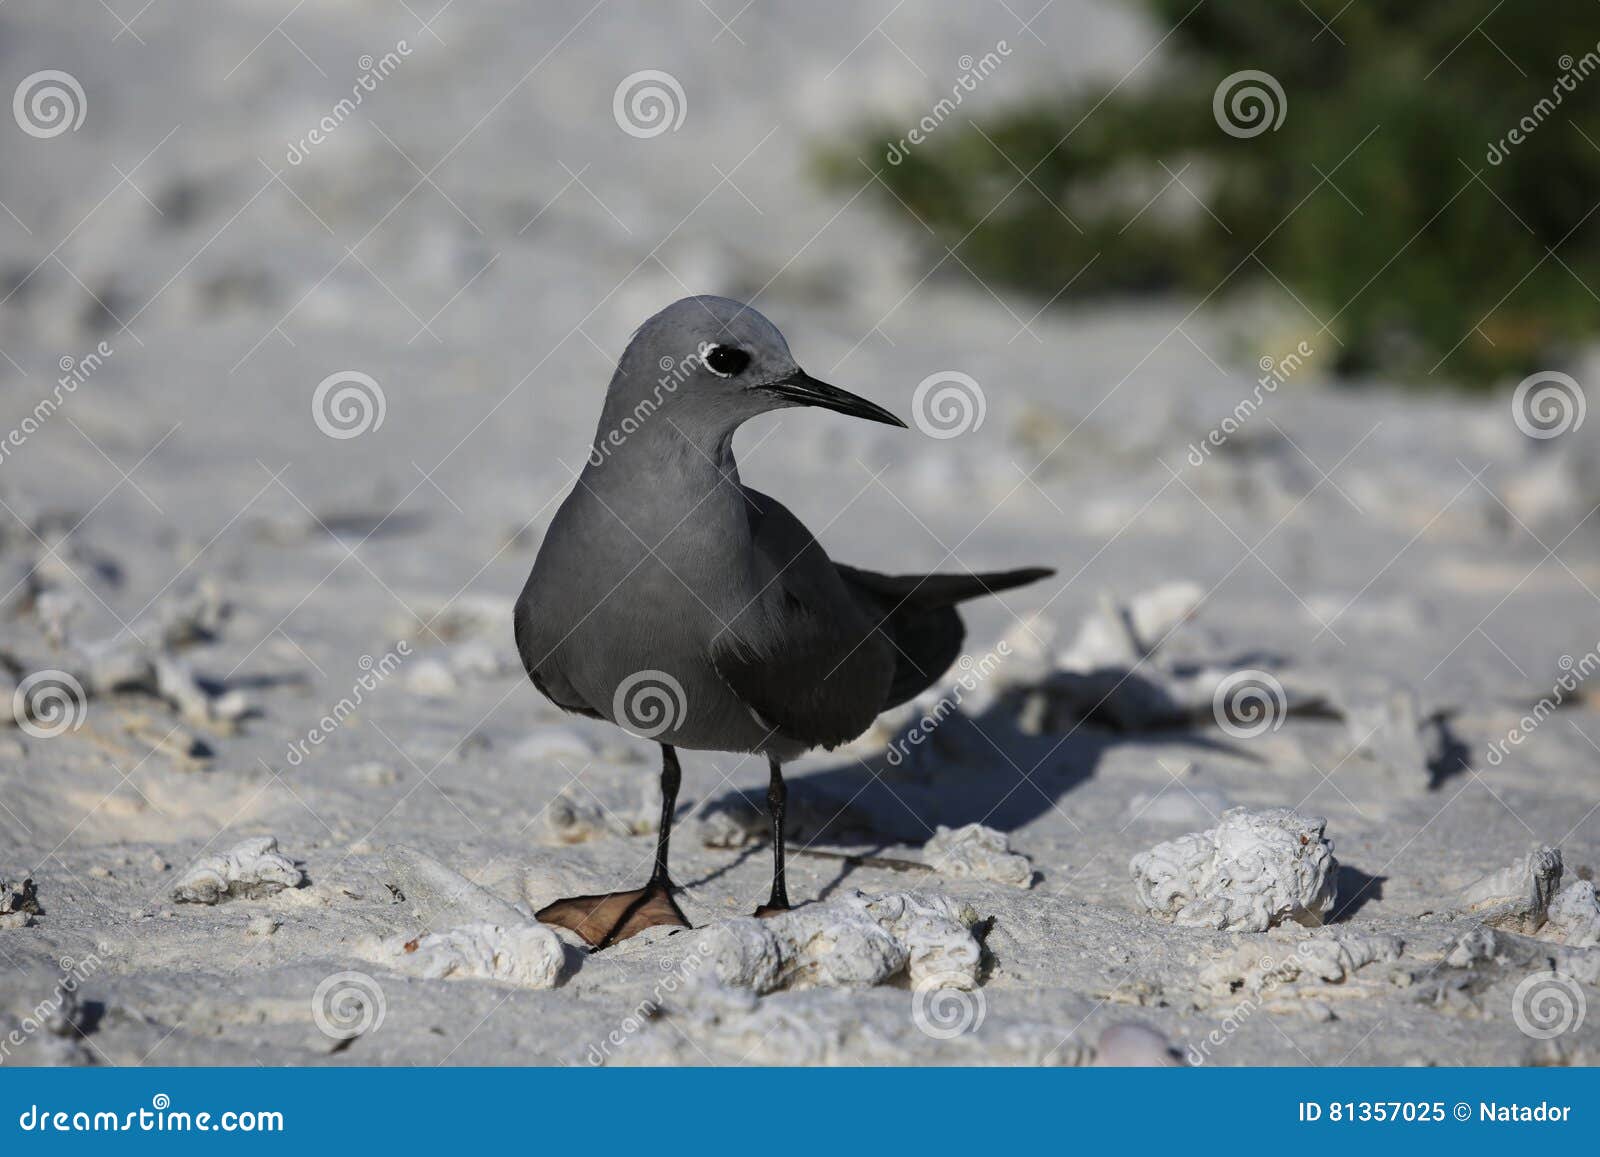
x: 932, y: 591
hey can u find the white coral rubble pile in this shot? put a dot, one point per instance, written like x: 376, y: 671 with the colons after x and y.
x: 857, y: 940
x: 1575, y: 916
x: 974, y: 852
x: 1252, y: 871
x: 527, y: 955
x: 493, y: 941
x: 1526, y: 896
x: 1309, y: 966
x: 250, y: 869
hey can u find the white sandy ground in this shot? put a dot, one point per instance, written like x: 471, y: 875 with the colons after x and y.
x: 1359, y: 540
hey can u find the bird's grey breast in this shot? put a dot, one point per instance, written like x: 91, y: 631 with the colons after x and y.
x: 624, y: 606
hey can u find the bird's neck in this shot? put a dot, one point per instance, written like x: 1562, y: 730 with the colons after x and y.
x: 664, y: 470
x: 649, y: 439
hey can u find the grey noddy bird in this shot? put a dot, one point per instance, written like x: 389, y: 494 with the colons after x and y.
x: 672, y: 600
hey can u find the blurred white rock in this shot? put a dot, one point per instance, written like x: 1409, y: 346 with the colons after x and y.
x: 250, y: 869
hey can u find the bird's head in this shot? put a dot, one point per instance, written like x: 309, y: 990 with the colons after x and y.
x: 708, y: 364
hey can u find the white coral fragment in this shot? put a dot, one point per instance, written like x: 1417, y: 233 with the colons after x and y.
x: 527, y: 955
x: 1526, y: 896
x: 974, y: 852
x: 1317, y: 959
x: 855, y: 941
x: 251, y: 868
x: 1516, y: 897
x: 432, y: 890
x: 1574, y: 916
x: 1252, y: 871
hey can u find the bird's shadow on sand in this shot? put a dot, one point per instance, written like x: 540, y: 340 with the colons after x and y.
x: 984, y: 770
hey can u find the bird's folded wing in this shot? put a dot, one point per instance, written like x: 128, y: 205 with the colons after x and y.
x: 802, y: 656
x: 816, y: 686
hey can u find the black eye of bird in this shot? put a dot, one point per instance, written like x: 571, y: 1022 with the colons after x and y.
x: 726, y: 360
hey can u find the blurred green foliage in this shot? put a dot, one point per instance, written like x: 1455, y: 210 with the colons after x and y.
x: 1363, y: 203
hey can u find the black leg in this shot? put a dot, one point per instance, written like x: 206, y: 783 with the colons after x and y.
x: 777, y: 795
x: 605, y: 919
x: 671, y: 777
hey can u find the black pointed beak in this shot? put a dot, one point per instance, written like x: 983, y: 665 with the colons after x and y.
x: 801, y: 389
